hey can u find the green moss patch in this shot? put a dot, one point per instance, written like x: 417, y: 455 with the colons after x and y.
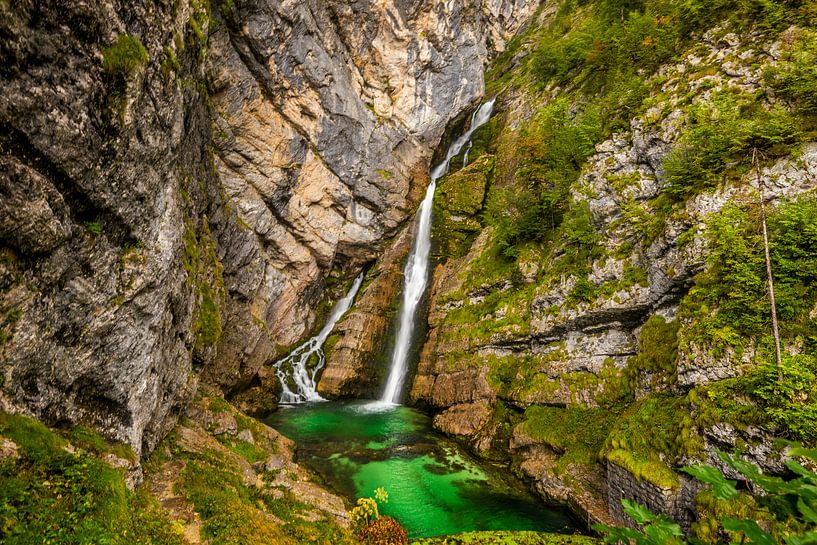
x: 204, y: 273
x: 576, y: 433
x: 651, y: 436
x: 125, y: 55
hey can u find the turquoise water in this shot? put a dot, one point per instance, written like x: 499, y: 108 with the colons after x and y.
x: 435, y: 488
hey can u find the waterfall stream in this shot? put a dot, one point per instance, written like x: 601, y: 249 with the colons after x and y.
x: 416, y: 270
x: 295, y: 371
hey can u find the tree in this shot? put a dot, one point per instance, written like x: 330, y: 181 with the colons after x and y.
x: 769, y: 276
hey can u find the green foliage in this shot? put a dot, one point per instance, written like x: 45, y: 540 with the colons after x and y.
x: 235, y: 514
x: 457, y: 201
x: 248, y: 451
x: 728, y: 307
x: 551, y: 150
x: 788, y: 506
x: 170, y: 64
x: 790, y: 403
x: 93, y: 227
x: 657, y: 351
x: 8, y: 318
x: 795, y: 77
x: 577, y: 433
x: 651, y: 436
x: 88, y: 439
x: 124, y: 56
x: 728, y: 302
x: 373, y: 529
x: 723, y: 134
x: 204, y: 272
x: 366, y: 509
x: 656, y: 529
x: 52, y: 496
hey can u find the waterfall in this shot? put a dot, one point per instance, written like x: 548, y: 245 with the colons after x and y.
x: 294, y: 370
x: 416, y: 270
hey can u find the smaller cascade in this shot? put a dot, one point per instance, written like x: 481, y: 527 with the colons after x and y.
x: 297, y: 376
x: 416, y: 269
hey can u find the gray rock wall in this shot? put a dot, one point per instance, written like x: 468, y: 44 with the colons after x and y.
x: 678, y: 504
x: 174, y: 219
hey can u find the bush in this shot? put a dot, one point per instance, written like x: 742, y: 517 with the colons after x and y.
x: 551, y: 150
x: 728, y: 303
x: 383, y: 531
x: 795, y: 77
x: 720, y: 135
x: 124, y: 56
x: 790, y: 403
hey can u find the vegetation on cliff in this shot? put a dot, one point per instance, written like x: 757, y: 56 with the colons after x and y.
x: 616, y: 289
x: 785, y: 510
x: 68, y: 488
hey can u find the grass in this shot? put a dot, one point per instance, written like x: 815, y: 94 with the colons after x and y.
x: 124, y: 56
x: 52, y: 496
x: 235, y: 513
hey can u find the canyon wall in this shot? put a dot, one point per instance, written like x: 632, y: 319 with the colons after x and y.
x: 179, y: 180
x: 589, y: 315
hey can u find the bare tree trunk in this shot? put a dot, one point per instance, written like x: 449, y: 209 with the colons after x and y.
x: 769, y: 277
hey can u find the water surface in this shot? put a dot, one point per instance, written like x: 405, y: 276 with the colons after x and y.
x: 435, y: 488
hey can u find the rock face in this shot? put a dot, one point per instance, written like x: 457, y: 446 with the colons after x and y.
x: 538, y: 334
x: 178, y: 181
x: 97, y: 310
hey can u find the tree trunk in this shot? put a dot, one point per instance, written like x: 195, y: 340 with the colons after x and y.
x: 769, y: 276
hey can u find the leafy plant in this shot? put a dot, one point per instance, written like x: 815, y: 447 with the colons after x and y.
x: 789, y: 504
x: 52, y: 496
x: 371, y: 527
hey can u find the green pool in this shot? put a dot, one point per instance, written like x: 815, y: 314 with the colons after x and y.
x: 434, y: 487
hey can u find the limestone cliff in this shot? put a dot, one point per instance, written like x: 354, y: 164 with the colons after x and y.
x: 599, y: 314
x: 179, y: 179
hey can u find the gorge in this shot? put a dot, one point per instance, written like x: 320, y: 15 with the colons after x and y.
x: 523, y: 248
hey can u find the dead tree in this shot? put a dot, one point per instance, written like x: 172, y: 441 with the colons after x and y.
x: 769, y: 277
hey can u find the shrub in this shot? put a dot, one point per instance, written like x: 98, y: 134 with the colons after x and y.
x: 551, y: 151
x: 790, y: 403
x: 383, y: 531
x: 728, y: 303
x: 795, y: 77
x: 124, y: 56
x: 371, y: 527
x: 720, y: 135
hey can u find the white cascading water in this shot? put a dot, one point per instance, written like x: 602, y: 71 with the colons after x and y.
x: 294, y: 372
x: 416, y: 271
